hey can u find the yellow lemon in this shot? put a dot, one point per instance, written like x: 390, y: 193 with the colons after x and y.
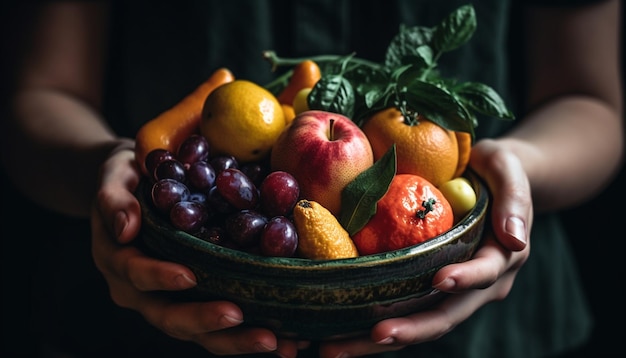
x: 242, y: 119
x: 300, y: 101
x: 320, y: 235
x: 460, y: 195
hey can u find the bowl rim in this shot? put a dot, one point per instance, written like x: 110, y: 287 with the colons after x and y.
x: 295, y: 263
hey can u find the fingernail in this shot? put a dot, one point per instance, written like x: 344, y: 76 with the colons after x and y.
x: 514, y: 226
x: 229, y: 321
x: 386, y: 340
x: 446, y: 284
x: 184, y: 281
x: 120, y: 223
x: 262, y: 347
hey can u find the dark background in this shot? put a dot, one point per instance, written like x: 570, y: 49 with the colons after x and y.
x: 36, y: 266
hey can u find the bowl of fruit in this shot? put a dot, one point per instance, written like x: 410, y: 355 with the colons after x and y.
x: 325, y: 201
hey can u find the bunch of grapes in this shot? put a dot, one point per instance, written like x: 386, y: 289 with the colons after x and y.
x: 242, y: 206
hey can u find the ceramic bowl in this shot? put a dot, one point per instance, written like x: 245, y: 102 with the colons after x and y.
x: 308, y: 299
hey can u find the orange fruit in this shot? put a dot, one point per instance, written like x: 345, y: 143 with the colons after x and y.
x: 412, y: 211
x: 464, y: 142
x: 425, y: 148
x: 242, y: 119
x: 170, y: 128
x: 290, y: 114
x: 305, y: 75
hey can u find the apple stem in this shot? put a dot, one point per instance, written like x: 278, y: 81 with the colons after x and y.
x: 331, y: 129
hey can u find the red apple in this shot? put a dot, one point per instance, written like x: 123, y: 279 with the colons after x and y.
x: 324, y: 151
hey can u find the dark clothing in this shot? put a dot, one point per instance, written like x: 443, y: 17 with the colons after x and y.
x: 160, y: 52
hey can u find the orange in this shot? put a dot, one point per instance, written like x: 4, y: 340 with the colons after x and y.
x: 170, y: 128
x: 464, y: 142
x: 290, y: 114
x: 412, y: 211
x: 305, y: 75
x: 242, y: 119
x: 424, y: 148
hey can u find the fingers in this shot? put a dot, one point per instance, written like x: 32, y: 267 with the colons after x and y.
x: 490, y: 262
x: 115, y: 199
x: 396, y: 333
x: 488, y: 276
x: 511, y: 209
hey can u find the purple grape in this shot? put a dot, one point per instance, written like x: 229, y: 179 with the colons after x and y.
x: 167, y: 192
x: 245, y: 227
x: 201, y: 176
x: 237, y: 189
x: 279, y: 193
x: 155, y: 157
x: 255, y: 171
x: 193, y: 149
x: 188, y: 216
x: 199, y: 197
x: 279, y: 238
x: 222, y: 162
x: 218, y: 203
x: 170, y: 169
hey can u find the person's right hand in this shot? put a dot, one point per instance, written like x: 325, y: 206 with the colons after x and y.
x: 131, y: 275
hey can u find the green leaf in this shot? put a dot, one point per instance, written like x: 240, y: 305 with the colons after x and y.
x: 359, y: 197
x: 333, y: 93
x: 455, y: 30
x: 483, y: 99
x: 438, y: 105
x: 406, y: 43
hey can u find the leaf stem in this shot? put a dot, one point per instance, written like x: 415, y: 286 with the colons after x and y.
x: 277, y: 61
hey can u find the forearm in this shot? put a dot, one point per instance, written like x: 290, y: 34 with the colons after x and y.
x: 570, y: 148
x: 571, y: 140
x: 53, y: 147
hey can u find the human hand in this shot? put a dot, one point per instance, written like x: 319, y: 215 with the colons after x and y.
x: 131, y: 275
x: 487, y: 277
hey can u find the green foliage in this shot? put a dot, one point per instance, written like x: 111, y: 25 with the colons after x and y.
x: 359, y: 198
x: 407, y: 79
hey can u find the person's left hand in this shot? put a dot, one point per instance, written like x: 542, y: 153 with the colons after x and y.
x: 135, y: 280
x: 487, y: 277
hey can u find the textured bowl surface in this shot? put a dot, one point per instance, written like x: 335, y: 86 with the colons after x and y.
x: 309, y: 299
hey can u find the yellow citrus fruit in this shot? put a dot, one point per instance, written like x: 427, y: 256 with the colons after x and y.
x: 460, y: 195
x: 425, y: 149
x: 242, y: 119
x: 412, y: 211
x: 320, y: 235
x: 300, y: 101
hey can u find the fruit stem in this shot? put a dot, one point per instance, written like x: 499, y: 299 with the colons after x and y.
x: 331, y: 130
x: 428, y: 207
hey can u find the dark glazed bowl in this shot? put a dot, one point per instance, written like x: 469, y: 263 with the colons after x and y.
x: 307, y: 299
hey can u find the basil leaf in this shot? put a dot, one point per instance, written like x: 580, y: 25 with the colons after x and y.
x: 406, y: 43
x: 333, y: 93
x: 359, y: 197
x: 455, y: 30
x: 482, y: 98
x: 438, y: 105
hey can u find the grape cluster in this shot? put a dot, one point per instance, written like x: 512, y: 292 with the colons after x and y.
x: 242, y: 206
